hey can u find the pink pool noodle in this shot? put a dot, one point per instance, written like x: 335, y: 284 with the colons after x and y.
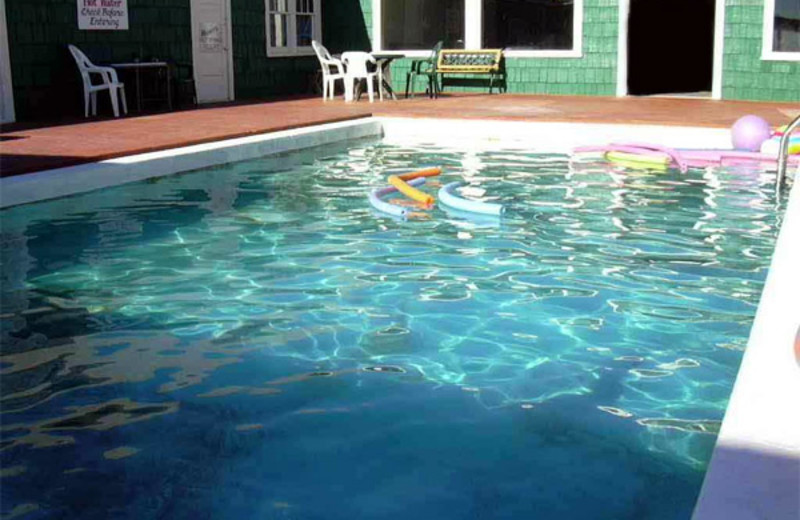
x: 706, y: 157
x: 687, y: 157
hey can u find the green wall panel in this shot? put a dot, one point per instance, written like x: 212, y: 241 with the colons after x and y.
x: 346, y: 25
x: 592, y: 74
x: 46, y: 80
x: 745, y: 74
x: 257, y: 76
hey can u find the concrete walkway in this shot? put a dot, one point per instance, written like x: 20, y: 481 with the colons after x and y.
x: 24, y: 151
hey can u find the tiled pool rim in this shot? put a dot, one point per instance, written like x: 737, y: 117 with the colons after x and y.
x: 755, y: 468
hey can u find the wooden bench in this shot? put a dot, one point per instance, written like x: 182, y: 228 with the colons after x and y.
x: 454, y: 64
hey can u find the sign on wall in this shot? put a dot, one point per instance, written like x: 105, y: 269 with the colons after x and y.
x: 210, y: 37
x: 103, y: 15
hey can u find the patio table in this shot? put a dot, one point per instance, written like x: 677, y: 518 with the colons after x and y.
x: 138, y: 67
x: 385, y: 59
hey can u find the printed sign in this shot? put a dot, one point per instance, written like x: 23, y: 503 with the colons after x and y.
x: 103, y: 15
x: 210, y: 37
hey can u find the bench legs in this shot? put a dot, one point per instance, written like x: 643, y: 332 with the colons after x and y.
x: 433, y: 84
x: 496, y: 80
x: 409, y: 82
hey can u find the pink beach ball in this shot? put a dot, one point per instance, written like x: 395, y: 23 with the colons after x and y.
x: 749, y: 133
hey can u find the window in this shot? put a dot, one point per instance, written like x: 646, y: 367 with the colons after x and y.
x: 528, y: 24
x: 419, y: 24
x: 781, y: 30
x: 291, y: 25
x: 525, y: 28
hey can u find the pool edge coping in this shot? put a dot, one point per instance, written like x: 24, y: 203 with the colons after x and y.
x: 754, y: 471
x: 65, y: 181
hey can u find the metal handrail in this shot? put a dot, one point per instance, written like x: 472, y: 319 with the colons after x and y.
x: 783, y: 154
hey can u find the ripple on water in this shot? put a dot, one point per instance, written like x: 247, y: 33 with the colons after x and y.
x: 685, y: 425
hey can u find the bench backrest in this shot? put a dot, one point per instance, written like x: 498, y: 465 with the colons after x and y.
x: 466, y: 61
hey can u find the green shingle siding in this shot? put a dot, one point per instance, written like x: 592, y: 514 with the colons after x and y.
x: 46, y: 81
x: 745, y: 75
x: 344, y: 27
x: 592, y: 74
x: 256, y: 75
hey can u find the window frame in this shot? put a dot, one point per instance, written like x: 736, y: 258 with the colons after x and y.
x: 292, y: 49
x: 768, y: 41
x: 473, y: 33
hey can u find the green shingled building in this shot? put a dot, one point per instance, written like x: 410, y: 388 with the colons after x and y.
x: 255, y: 49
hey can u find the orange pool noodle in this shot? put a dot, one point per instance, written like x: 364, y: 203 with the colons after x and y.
x: 427, y: 172
x: 410, y: 191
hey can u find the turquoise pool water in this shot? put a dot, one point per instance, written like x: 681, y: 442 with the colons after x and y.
x: 254, y: 341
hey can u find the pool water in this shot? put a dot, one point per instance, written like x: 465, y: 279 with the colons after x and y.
x: 255, y: 341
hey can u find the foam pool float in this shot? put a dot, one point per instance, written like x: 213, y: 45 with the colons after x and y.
x: 448, y: 197
x: 640, y: 149
x: 426, y: 172
x: 409, y: 190
x: 773, y: 145
x: 684, y: 158
x: 634, y: 160
x: 401, y: 184
x: 391, y: 209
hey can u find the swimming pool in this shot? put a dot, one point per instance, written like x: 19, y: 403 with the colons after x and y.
x: 254, y: 340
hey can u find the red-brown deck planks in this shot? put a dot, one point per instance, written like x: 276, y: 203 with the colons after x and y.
x: 23, y: 151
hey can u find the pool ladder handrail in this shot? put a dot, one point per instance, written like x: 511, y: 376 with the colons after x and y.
x: 783, y: 154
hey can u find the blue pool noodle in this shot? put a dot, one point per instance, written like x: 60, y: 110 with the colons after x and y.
x: 391, y: 209
x: 448, y: 198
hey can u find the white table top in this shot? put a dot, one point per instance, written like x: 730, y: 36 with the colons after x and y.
x: 140, y: 64
x: 385, y: 55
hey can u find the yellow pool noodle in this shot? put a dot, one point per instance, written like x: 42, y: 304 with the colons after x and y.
x: 410, y: 191
x: 638, y: 161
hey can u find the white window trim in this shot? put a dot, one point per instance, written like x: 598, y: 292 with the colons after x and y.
x: 292, y: 49
x: 719, y: 49
x: 767, y: 41
x: 473, y: 33
x: 622, y: 48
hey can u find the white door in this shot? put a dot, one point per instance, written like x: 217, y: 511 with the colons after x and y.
x: 6, y: 94
x: 211, y: 50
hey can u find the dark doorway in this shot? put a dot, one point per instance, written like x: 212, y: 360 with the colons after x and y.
x: 670, y: 46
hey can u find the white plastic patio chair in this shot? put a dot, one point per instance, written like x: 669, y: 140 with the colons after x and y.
x: 355, y: 63
x: 328, y: 63
x: 109, y: 79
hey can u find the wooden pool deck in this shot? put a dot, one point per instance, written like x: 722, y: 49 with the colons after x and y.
x: 25, y: 150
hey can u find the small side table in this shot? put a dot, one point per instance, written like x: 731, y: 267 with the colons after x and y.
x: 138, y: 67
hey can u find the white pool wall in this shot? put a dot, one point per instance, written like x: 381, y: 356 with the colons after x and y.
x: 547, y: 137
